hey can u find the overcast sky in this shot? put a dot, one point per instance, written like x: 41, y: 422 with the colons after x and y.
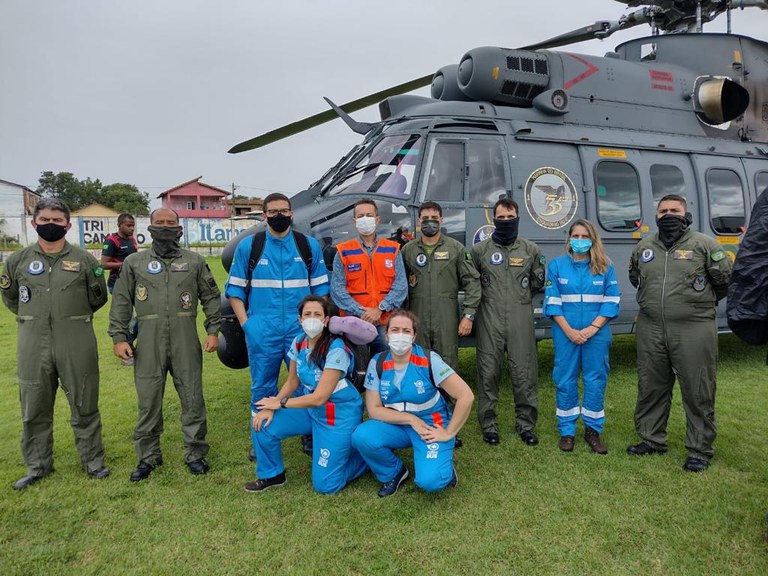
x: 154, y: 92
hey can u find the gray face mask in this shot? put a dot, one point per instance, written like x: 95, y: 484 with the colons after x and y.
x: 430, y: 228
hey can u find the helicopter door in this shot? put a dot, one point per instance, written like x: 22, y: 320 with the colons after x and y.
x: 665, y: 173
x: 465, y: 174
x: 757, y: 172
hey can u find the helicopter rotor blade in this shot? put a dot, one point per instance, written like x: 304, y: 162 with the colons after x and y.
x: 328, y: 115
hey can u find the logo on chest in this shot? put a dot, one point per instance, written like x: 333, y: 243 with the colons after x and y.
x: 154, y: 267
x: 354, y: 267
x: 36, y: 267
x: 420, y: 389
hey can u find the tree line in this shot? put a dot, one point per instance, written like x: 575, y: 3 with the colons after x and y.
x: 80, y: 193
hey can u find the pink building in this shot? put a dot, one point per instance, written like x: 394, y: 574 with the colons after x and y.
x: 194, y: 199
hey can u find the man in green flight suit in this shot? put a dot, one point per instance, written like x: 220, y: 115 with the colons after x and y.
x: 438, y: 267
x: 511, y: 271
x: 54, y: 289
x: 165, y: 284
x: 679, y: 275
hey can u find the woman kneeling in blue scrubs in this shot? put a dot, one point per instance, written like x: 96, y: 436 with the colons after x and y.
x: 406, y: 410
x: 329, y: 408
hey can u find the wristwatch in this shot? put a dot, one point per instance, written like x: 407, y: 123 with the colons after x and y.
x: 381, y: 307
x: 283, y: 401
x: 470, y: 317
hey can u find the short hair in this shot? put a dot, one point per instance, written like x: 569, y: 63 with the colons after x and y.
x: 123, y: 217
x: 51, y: 204
x: 407, y: 314
x: 431, y: 205
x: 674, y: 198
x: 274, y: 197
x: 363, y: 201
x: 507, y: 203
x: 152, y: 214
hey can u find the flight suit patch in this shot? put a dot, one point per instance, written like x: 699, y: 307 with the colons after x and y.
x: 549, y: 283
x: 36, y: 267
x: 141, y: 292
x: 154, y: 267
x: 683, y: 255
x: 646, y: 256
x: 70, y: 266
x: 516, y: 262
x: 441, y: 255
x: 179, y: 266
x: 185, y: 298
x: 717, y: 255
x: 496, y: 258
x: 413, y: 280
x: 485, y: 280
x: 699, y: 283
x: 5, y: 282
x: 96, y: 289
x: 98, y: 271
x: 542, y: 259
x: 212, y: 284
x: 524, y: 282
x: 468, y: 255
x: 24, y: 294
x: 421, y: 260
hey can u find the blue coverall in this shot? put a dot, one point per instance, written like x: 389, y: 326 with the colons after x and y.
x: 335, y: 462
x: 409, y: 390
x: 574, y: 292
x: 278, y: 284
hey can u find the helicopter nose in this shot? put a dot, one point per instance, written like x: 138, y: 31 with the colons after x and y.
x: 465, y: 70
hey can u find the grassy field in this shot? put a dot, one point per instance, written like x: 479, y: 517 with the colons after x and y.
x: 517, y: 510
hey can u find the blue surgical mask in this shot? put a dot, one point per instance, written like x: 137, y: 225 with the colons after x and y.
x: 580, y: 245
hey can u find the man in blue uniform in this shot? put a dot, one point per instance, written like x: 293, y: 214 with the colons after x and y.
x: 278, y: 282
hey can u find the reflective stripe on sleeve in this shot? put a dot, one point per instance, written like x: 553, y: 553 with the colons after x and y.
x: 319, y: 280
x: 612, y: 299
x: 553, y: 301
x: 237, y: 281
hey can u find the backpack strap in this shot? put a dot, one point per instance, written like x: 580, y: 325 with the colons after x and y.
x: 302, y: 243
x: 257, y: 248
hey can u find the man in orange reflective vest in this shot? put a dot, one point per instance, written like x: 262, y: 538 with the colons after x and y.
x: 368, y: 278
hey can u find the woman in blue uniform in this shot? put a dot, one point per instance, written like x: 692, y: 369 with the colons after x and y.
x: 330, y: 408
x: 406, y: 409
x: 581, y: 297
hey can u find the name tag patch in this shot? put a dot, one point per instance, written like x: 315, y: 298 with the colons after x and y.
x: 180, y: 267
x: 516, y: 262
x: 356, y: 267
x: 683, y: 255
x: 441, y: 255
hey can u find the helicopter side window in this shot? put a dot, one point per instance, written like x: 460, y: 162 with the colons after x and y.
x: 666, y: 179
x: 387, y: 169
x: 485, y: 162
x: 761, y: 182
x: 726, y: 201
x: 618, y: 196
x: 446, y: 173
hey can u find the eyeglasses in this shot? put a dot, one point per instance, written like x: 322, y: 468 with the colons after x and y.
x: 273, y: 213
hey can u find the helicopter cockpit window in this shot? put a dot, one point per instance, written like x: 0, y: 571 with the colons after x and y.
x: 761, y: 182
x: 485, y: 162
x: 387, y: 168
x: 666, y: 179
x: 446, y: 173
x: 726, y: 201
x: 618, y: 196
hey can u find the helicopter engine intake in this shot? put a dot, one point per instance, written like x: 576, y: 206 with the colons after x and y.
x: 503, y: 75
x: 719, y: 100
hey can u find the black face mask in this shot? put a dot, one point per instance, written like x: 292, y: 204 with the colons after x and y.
x: 430, y: 228
x: 279, y: 223
x: 506, y: 231
x: 51, y: 232
x: 165, y: 240
x: 672, y: 227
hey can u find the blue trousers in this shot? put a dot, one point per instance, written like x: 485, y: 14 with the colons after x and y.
x: 376, y: 440
x: 268, y: 347
x: 591, y: 359
x: 335, y: 463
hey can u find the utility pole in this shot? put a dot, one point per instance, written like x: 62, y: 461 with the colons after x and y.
x: 232, y: 212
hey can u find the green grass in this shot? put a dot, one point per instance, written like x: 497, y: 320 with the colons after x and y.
x: 517, y: 510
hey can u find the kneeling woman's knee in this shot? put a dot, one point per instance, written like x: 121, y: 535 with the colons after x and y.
x: 432, y: 480
x: 325, y: 486
x: 362, y: 439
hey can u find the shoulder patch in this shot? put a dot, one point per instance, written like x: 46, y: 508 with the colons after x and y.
x: 98, y: 271
x: 717, y: 255
x: 542, y: 259
x: 5, y: 282
x: 549, y: 282
x: 468, y: 255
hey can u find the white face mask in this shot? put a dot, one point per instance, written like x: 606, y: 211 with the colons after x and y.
x: 366, y: 225
x: 312, y: 326
x: 400, y: 343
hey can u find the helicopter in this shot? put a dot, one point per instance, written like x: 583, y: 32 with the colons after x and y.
x: 566, y: 135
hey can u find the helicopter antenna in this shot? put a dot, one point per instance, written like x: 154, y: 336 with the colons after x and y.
x: 728, y: 18
x: 699, y: 27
